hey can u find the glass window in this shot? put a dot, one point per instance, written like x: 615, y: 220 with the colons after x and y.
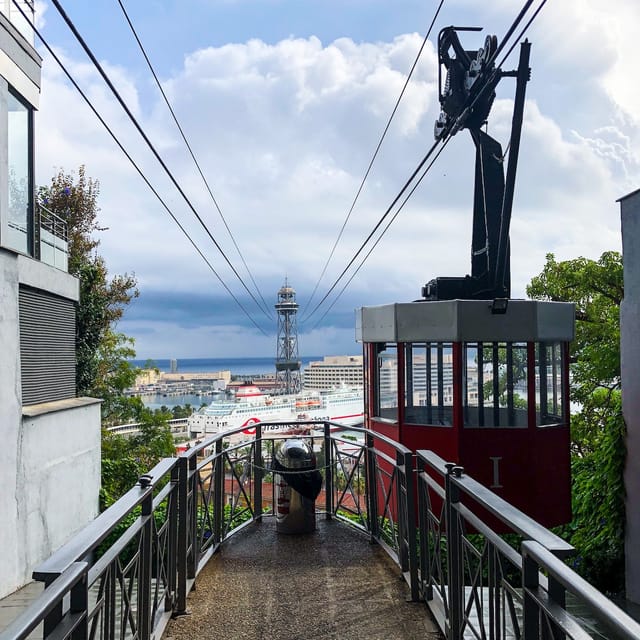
x: 429, y: 383
x: 549, y: 383
x: 387, y: 382
x: 495, y: 384
x: 19, y: 179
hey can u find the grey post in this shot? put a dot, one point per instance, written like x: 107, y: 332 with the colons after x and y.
x: 455, y: 574
x: 410, y: 479
x: 146, y: 547
x: 218, y: 493
x: 371, y: 486
x: 183, y: 534
x: 258, y: 474
x: 328, y: 471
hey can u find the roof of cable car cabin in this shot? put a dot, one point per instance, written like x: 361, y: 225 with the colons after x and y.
x: 466, y: 321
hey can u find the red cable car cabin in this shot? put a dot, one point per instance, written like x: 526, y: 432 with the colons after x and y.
x: 482, y: 385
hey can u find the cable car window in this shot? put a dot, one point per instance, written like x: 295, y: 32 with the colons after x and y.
x: 386, y: 387
x: 494, y: 379
x: 429, y: 383
x: 549, y: 383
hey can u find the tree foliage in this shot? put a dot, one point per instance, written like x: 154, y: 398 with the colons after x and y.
x: 103, y: 298
x: 125, y: 459
x: 103, y: 354
x: 597, y: 426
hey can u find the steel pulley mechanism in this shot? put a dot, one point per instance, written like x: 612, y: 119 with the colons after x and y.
x: 466, y: 96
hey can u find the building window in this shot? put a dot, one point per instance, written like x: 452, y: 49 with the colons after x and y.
x: 20, y: 178
x: 387, y: 382
x: 429, y: 383
x: 495, y: 392
x: 549, y: 383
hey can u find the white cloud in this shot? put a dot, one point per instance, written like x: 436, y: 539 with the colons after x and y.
x: 284, y: 133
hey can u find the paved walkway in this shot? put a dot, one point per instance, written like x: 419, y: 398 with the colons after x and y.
x: 328, y: 585
x: 13, y: 605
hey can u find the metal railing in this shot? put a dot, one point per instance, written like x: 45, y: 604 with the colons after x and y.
x: 480, y: 583
x: 127, y: 572
x: 131, y: 569
x: 8, y: 7
x: 51, y: 238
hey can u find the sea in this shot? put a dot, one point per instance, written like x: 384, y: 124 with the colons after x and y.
x: 237, y: 366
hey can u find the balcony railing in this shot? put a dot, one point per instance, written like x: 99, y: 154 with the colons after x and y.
x: 130, y: 570
x: 13, y: 13
x: 52, y: 239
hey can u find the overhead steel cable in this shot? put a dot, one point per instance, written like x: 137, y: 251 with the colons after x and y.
x: 375, y: 244
x: 406, y: 185
x: 463, y: 111
x: 134, y: 164
x: 375, y: 154
x: 152, y: 148
x: 193, y: 157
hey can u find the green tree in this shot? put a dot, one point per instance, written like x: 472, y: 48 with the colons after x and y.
x: 101, y: 352
x: 125, y: 459
x: 597, y: 426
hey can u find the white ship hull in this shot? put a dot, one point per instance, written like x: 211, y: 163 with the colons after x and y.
x: 343, y: 406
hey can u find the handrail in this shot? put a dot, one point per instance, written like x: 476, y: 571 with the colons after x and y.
x: 213, y: 492
x: 518, y: 521
x: 45, y: 603
x: 97, y: 530
x: 599, y: 605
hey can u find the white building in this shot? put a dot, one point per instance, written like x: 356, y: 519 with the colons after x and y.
x: 50, y: 454
x: 333, y: 371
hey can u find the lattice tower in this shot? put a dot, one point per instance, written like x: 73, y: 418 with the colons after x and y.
x: 287, y: 362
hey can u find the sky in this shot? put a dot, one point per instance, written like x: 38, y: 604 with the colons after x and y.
x: 283, y: 103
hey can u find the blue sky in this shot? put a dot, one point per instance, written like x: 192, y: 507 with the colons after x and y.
x: 283, y: 103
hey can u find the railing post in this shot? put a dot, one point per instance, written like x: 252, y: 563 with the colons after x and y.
x: 328, y: 471
x: 79, y: 603
x: 493, y: 579
x: 258, y: 474
x: 402, y: 519
x: 455, y: 574
x: 170, y: 601
x: 146, y: 562
x: 53, y: 618
x: 531, y: 619
x: 410, y: 479
x: 183, y: 534
x: 371, y: 485
x: 193, y: 548
x: 557, y: 593
x: 426, y: 587
x: 218, y: 492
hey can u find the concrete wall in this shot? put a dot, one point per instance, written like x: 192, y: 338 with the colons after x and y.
x: 10, y: 421
x: 58, y: 477
x: 630, y: 367
x: 50, y: 453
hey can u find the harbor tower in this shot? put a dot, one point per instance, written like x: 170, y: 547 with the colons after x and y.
x: 287, y: 361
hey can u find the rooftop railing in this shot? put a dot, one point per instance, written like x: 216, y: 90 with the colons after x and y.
x: 52, y: 238
x: 8, y: 7
x: 131, y: 569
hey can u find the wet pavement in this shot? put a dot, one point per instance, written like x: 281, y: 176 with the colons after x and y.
x: 325, y: 585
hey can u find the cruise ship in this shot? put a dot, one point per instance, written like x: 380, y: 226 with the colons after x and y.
x: 251, y: 406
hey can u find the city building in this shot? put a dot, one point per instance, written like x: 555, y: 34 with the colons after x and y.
x: 332, y: 372
x: 50, y: 454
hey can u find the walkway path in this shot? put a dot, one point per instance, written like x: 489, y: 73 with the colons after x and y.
x: 331, y: 584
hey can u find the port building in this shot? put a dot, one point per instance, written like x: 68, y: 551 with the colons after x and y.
x: 333, y: 371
